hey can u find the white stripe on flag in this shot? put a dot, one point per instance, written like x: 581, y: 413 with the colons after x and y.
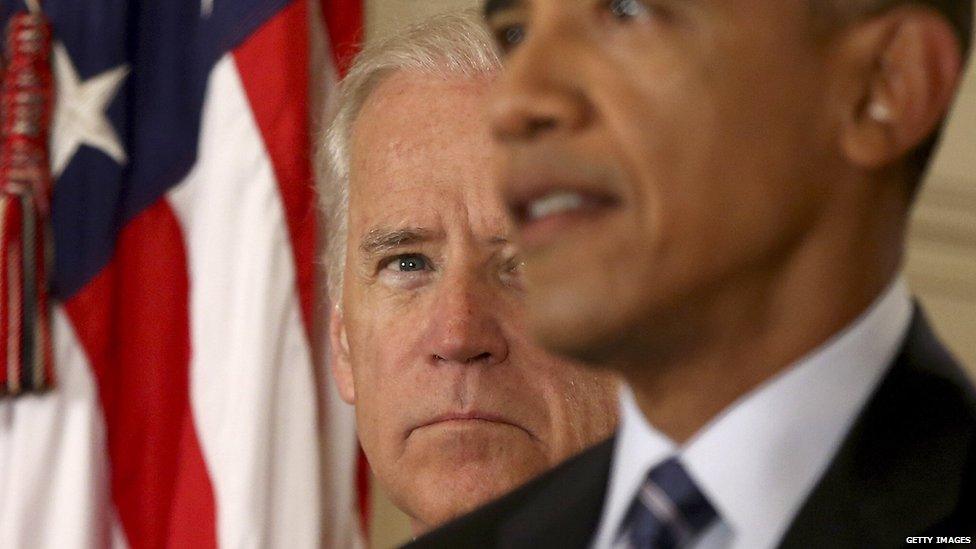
x: 252, y: 386
x: 54, y: 487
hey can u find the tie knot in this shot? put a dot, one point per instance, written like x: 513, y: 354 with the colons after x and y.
x: 669, y: 510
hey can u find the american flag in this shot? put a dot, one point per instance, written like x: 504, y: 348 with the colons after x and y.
x: 187, y: 410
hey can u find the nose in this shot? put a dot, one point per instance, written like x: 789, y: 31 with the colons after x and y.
x: 466, y: 328
x: 539, y: 92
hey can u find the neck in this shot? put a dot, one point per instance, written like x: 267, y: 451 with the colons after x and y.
x: 734, y: 339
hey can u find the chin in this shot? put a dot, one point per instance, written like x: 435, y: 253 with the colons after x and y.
x: 445, y: 493
x: 447, y: 471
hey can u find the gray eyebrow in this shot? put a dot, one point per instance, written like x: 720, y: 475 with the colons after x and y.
x: 492, y: 7
x: 380, y: 240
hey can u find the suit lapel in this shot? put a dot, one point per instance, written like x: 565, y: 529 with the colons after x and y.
x: 906, y: 466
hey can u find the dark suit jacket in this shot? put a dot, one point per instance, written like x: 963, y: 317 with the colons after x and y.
x: 906, y: 468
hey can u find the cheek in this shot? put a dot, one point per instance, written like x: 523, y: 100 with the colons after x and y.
x: 578, y: 405
x: 665, y: 135
x: 376, y: 350
x: 380, y: 350
x: 709, y: 158
x: 582, y: 415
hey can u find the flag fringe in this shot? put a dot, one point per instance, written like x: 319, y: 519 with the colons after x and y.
x: 25, y: 187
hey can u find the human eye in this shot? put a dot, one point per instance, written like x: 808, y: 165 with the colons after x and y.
x: 508, y: 30
x: 632, y: 11
x: 410, y: 263
x: 405, y: 270
x: 509, y: 37
x: 512, y: 271
x: 626, y: 10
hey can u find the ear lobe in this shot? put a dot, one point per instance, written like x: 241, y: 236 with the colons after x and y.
x: 914, y: 73
x: 339, y: 361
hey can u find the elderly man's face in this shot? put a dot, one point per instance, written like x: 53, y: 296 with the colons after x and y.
x: 454, y: 404
x: 653, y: 151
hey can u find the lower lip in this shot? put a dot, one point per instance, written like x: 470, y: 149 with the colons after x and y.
x: 448, y: 426
x: 465, y: 420
x: 466, y: 423
x: 546, y: 230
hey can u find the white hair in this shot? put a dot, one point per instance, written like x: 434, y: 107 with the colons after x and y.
x: 451, y: 44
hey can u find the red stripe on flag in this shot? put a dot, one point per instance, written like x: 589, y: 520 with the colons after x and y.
x: 362, y: 487
x: 133, y: 321
x: 344, y: 21
x: 274, y: 68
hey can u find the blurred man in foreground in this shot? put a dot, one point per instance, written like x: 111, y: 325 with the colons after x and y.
x: 455, y: 405
x: 712, y: 198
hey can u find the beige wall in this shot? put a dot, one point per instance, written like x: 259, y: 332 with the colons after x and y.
x: 941, y: 265
x: 384, y: 16
x: 942, y: 248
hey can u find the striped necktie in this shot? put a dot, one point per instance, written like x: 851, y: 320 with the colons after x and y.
x: 669, y: 510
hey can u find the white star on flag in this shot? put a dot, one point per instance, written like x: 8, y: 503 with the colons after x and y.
x: 79, y: 115
x: 206, y: 8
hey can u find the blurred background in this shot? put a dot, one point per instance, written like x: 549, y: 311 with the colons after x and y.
x: 942, y: 251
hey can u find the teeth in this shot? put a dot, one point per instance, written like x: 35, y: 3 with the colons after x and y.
x: 554, y: 203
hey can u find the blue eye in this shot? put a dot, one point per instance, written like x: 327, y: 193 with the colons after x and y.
x: 406, y: 271
x: 411, y: 263
x: 509, y: 37
x: 626, y: 9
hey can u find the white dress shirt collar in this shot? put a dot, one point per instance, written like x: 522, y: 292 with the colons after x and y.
x: 759, y: 459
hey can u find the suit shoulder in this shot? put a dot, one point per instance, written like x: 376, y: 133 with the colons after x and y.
x: 908, y: 464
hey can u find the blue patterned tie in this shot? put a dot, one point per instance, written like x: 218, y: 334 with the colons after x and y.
x: 669, y: 511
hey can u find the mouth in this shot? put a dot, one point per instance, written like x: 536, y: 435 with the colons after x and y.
x: 543, y: 215
x: 469, y: 419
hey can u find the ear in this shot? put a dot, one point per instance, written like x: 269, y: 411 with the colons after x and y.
x: 911, y: 63
x: 339, y: 361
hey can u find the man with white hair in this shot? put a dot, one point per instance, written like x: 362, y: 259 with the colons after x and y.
x: 454, y: 403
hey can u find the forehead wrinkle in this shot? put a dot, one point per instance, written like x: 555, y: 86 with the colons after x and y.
x: 484, y: 220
